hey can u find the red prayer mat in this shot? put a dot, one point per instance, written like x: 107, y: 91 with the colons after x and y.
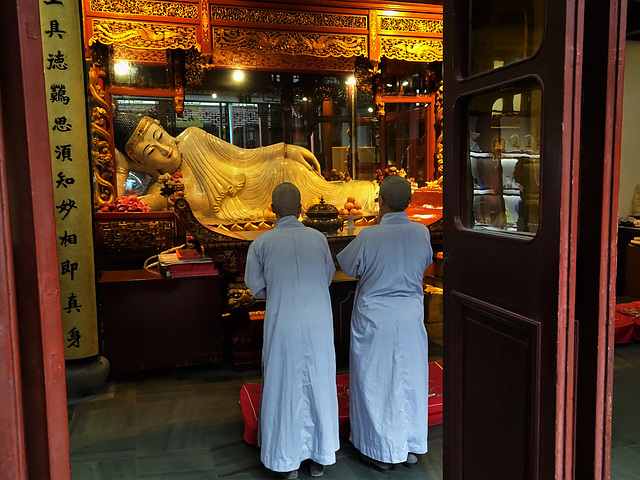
x: 627, y: 322
x: 250, y: 403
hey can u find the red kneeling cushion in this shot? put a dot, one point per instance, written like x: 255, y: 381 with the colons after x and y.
x: 435, y: 393
x: 623, y: 328
x: 342, y: 383
x: 250, y: 403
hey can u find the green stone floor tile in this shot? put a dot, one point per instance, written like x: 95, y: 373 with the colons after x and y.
x: 108, y: 469
x: 92, y: 419
x: 163, y: 411
x: 170, y: 438
x: 92, y: 448
x: 187, y: 464
x: 187, y: 424
x: 625, y: 463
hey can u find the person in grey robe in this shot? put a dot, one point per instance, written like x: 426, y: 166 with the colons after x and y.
x: 388, y: 363
x: 291, y: 266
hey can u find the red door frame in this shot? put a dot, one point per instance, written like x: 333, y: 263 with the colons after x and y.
x: 603, y: 72
x: 34, y: 437
x: 570, y: 429
x: 34, y: 440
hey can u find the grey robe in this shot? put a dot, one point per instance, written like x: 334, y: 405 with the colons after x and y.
x: 388, y: 364
x: 291, y: 267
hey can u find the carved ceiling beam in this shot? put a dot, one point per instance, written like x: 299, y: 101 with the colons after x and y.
x: 247, y: 29
x: 292, y: 43
x: 145, y: 35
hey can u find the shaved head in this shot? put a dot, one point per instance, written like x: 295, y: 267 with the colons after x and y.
x: 286, y: 200
x: 396, y: 192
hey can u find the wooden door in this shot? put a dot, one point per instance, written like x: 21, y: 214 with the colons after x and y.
x: 531, y: 109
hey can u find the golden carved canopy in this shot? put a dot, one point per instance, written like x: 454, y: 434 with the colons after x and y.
x: 192, y: 36
x: 233, y: 29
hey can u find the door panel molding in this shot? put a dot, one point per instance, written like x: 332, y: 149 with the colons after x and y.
x: 514, y: 359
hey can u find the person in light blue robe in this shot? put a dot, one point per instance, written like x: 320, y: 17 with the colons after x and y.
x: 291, y: 266
x: 388, y: 363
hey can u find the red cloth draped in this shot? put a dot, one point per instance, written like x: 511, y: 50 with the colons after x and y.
x: 627, y: 322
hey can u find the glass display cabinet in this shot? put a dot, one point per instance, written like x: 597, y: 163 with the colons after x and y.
x: 504, y: 159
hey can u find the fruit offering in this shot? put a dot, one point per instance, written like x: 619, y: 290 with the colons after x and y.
x: 268, y: 212
x: 351, y: 207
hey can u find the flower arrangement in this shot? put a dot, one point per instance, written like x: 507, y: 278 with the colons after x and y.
x: 127, y: 203
x: 336, y: 175
x: 172, y: 187
x: 392, y: 170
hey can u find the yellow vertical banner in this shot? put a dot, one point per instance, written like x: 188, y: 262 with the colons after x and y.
x: 66, y: 106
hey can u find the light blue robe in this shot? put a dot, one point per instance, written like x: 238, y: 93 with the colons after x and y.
x: 388, y: 362
x: 291, y: 267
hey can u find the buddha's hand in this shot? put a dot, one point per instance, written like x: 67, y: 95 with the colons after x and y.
x: 303, y: 156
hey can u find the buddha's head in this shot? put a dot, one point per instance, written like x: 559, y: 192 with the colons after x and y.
x: 147, y: 143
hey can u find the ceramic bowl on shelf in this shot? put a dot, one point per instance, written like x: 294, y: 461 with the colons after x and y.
x: 351, y: 219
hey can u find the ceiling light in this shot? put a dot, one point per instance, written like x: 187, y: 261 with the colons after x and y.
x: 121, y: 68
x: 238, y: 75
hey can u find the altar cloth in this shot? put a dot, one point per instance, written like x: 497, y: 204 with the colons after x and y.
x: 250, y: 403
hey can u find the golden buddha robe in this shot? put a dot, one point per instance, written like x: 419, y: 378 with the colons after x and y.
x: 231, y: 184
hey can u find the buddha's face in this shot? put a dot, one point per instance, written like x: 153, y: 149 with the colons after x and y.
x: 158, y: 150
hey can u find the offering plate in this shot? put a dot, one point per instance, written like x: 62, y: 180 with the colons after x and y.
x: 351, y: 219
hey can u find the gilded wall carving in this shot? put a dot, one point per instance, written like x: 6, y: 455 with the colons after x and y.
x: 143, y: 35
x: 146, y: 7
x: 439, y: 149
x: 204, y: 20
x: 373, y: 31
x: 411, y: 49
x: 121, y: 235
x: 101, y: 141
x: 292, y: 43
x: 305, y: 62
x: 284, y: 17
x: 140, y: 55
x: 418, y: 25
x: 194, y: 67
x: 178, y: 61
x: 223, y: 58
x: 368, y: 75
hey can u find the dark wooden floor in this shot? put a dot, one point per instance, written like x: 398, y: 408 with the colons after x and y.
x: 188, y: 425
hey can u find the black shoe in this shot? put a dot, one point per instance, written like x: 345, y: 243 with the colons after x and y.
x: 411, y: 462
x: 290, y: 475
x: 315, y: 469
x: 380, y: 466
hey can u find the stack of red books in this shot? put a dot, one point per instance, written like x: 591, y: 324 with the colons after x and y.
x: 187, y: 262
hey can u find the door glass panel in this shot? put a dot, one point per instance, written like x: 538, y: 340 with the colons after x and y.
x: 503, y: 32
x: 504, y: 159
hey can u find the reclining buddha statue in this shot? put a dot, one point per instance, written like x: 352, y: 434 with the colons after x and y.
x: 224, y: 183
